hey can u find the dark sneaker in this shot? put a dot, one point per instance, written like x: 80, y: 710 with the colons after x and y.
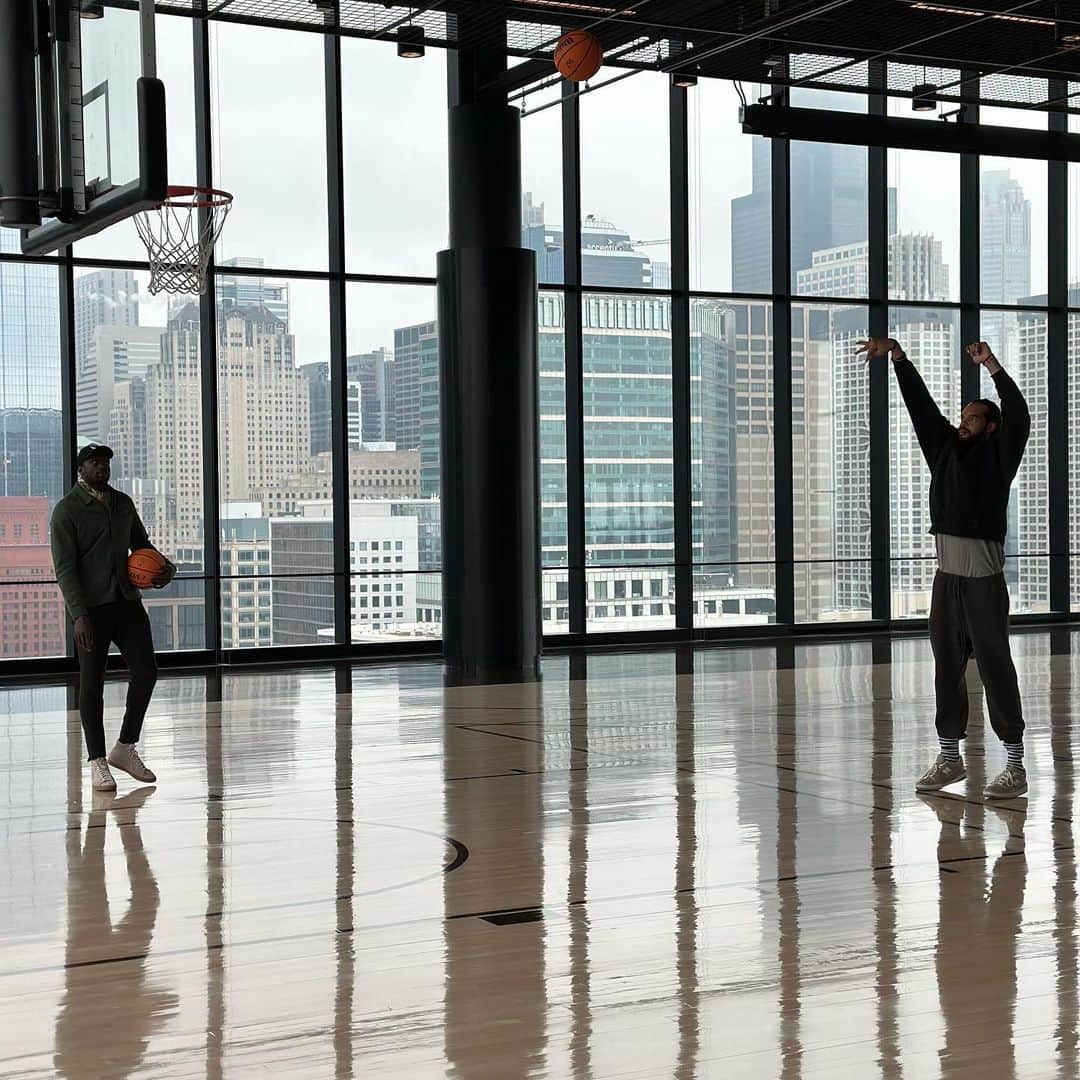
x: 941, y: 774
x: 1010, y: 783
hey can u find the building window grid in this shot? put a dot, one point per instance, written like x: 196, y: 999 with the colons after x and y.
x: 656, y: 314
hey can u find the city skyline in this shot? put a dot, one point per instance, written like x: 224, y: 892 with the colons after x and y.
x: 138, y: 385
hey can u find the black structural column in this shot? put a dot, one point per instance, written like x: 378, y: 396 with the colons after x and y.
x: 488, y: 386
x: 18, y: 131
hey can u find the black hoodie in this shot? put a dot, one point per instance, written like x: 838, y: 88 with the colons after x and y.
x: 969, y: 481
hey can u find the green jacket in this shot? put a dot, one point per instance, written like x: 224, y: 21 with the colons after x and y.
x: 90, y: 547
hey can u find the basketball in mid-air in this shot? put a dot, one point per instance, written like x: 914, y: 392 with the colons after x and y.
x: 143, y: 566
x: 578, y: 55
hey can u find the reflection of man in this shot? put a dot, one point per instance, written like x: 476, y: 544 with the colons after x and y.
x: 93, y: 530
x: 981, y: 913
x: 971, y: 469
x: 128, y: 1013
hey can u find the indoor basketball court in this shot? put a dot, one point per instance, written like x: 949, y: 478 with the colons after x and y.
x: 536, y: 539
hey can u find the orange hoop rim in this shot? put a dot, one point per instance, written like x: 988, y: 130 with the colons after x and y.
x: 186, y: 196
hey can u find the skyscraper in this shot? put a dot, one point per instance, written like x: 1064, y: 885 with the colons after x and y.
x: 374, y: 371
x: 103, y: 298
x: 31, y: 452
x: 317, y: 378
x: 251, y: 290
x: 1005, y: 262
x: 916, y: 272
x: 416, y: 398
x: 263, y: 415
x: 829, y: 209
x: 114, y: 354
x: 608, y: 253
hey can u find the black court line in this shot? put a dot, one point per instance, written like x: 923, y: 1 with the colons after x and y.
x: 106, y: 960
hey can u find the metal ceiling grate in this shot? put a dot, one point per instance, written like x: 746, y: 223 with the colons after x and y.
x: 827, y: 44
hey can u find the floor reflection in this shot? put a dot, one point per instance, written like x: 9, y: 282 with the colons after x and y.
x: 679, y: 865
x: 108, y: 1032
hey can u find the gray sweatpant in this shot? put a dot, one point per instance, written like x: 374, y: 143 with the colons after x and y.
x: 970, y: 617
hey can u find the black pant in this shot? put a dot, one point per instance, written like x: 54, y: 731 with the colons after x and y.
x: 127, y: 624
x: 970, y: 617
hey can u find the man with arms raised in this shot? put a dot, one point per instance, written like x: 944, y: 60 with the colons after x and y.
x: 971, y: 469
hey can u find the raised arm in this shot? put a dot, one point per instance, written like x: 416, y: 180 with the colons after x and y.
x: 1012, y: 435
x: 931, y: 428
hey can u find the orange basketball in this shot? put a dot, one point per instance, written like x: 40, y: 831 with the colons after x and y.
x: 143, y: 566
x: 578, y: 55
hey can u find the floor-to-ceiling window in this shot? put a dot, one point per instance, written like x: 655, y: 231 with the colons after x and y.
x: 280, y: 435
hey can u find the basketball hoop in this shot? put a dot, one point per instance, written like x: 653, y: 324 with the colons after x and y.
x: 178, y: 248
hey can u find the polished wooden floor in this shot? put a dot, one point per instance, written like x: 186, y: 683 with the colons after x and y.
x: 651, y: 865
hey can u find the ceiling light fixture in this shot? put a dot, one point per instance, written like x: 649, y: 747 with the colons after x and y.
x: 924, y: 95
x: 974, y: 13
x: 91, y: 9
x: 410, y: 42
x: 586, y: 9
x: 683, y: 79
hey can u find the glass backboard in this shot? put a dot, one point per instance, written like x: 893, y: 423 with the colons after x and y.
x: 103, y: 150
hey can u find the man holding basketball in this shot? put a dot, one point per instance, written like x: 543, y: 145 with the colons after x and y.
x: 93, y: 529
x: 971, y: 469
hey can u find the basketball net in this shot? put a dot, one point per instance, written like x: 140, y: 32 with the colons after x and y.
x: 180, y: 240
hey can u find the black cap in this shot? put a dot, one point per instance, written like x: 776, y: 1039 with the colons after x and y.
x: 93, y: 450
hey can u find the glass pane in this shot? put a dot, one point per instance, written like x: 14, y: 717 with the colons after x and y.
x: 393, y: 374
x: 1013, y: 231
x: 273, y: 401
x: 541, y: 185
x: 1024, y: 90
x: 838, y: 70
x: 178, y: 615
x: 912, y: 586
x: 392, y: 606
x: 394, y: 133
x: 832, y: 592
x: 626, y: 227
x: 831, y: 455
x: 626, y: 343
x: 270, y: 144
x: 31, y: 456
x: 931, y: 338
x: 719, y: 599
x: 730, y: 194
x: 138, y: 388
x: 1019, y: 342
x: 629, y: 598
x: 176, y: 67
x: 555, y: 601
x: 732, y: 437
x: 553, y: 518
x: 924, y: 225
x: 257, y: 612
x: 829, y: 226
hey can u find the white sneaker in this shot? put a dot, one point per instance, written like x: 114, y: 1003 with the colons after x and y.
x: 125, y: 757
x: 100, y: 777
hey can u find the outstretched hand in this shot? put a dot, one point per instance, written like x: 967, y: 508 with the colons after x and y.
x: 981, y: 353
x: 875, y: 347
